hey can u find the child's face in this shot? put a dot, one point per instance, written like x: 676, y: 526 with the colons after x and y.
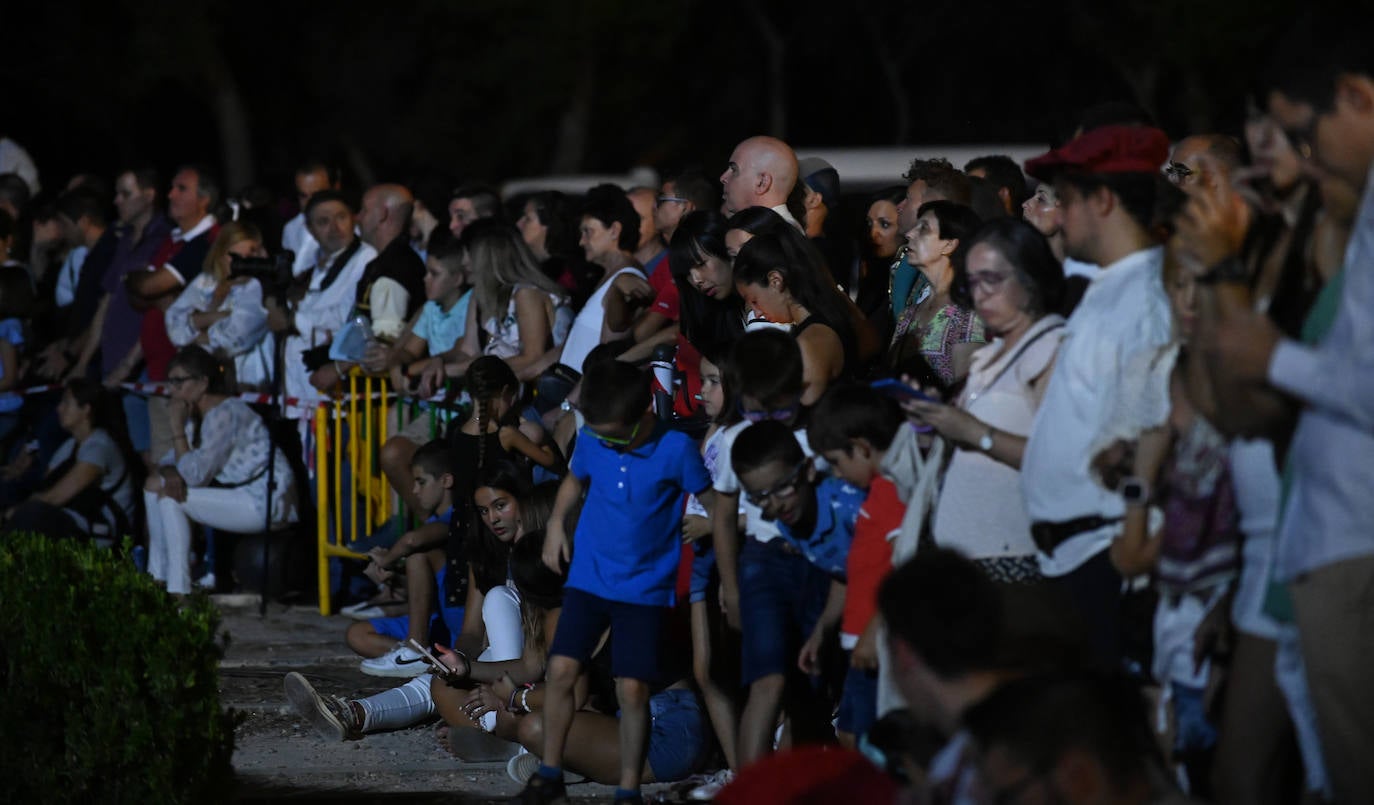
x: 854, y: 464
x: 712, y: 392
x: 784, y: 493
x: 755, y: 410
x: 442, y: 285
x: 499, y: 510
x: 616, y: 436
x: 429, y: 489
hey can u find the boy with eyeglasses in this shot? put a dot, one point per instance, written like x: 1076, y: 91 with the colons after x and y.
x: 634, y: 473
x: 765, y: 584
x: 799, y: 590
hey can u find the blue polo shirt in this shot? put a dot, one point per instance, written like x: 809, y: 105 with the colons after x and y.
x: 629, y: 536
x: 827, y: 546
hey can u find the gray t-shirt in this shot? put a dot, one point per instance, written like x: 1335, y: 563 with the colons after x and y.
x: 99, y: 449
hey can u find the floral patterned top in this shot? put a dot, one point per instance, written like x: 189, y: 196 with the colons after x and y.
x: 233, y: 451
x: 950, y: 326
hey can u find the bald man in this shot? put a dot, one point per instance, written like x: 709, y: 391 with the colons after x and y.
x: 761, y: 173
x: 392, y: 286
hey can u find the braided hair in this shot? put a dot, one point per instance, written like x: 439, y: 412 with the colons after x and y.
x: 488, y: 378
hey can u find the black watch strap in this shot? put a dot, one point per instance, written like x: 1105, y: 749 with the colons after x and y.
x: 1229, y: 270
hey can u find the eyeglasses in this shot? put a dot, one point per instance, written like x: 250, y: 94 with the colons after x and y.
x: 669, y: 199
x: 989, y: 281
x: 175, y: 382
x: 1301, y: 137
x: 612, y: 442
x: 785, y: 488
x: 1178, y: 172
x: 777, y: 414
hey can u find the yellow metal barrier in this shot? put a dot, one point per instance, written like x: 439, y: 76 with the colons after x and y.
x: 365, y: 416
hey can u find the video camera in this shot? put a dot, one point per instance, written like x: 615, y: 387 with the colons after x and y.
x: 274, y: 273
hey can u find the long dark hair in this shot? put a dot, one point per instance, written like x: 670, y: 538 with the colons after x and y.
x: 541, y: 589
x: 710, y: 325
x: 487, y: 377
x: 488, y: 555
x: 801, y: 275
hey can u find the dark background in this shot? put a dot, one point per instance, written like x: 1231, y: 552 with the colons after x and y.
x: 491, y: 89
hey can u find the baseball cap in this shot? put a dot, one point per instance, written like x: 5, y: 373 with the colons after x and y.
x: 822, y: 178
x: 1109, y: 149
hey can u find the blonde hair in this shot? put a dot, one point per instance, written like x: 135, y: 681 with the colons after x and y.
x: 500, y: 262
x: 230, y: 235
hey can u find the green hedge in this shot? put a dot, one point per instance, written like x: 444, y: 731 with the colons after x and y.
x: 109, y: 690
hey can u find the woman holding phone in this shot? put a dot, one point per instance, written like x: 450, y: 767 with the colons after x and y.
x: 1012, y: 280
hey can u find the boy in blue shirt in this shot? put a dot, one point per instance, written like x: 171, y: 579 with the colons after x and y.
x: 634, y: 473
x: 815, y: 516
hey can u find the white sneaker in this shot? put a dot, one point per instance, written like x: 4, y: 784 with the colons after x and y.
x: 523, y: 766
x: 206, y: 582
x: 708, y: 790
x: 401, y: 661
x: 362, y: 611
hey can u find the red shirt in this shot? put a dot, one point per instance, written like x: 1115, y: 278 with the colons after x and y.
x: 870, y: 554
x: 666, y: 303
x: 158, y: 349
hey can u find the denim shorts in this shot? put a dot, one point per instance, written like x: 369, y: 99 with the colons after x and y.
x: 859, y: 702
x: 636, y: 633
x: 781, y: 596
x: 704, y: 574
x: 677, y: 734
x: 444, y: 625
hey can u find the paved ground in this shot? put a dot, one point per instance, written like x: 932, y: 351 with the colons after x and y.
x: 277, y: 757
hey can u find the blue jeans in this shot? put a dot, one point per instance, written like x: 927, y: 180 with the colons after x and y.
x: 781, y: 596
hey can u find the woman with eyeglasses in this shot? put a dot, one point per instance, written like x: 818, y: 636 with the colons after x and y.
x: 1012, y: 280
x: 216, y: 472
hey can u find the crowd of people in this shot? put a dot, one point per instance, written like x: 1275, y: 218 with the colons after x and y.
x: 1052, y: 483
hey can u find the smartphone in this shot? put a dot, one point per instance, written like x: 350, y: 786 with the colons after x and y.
x: 893, y: 387
x: 438, y: 666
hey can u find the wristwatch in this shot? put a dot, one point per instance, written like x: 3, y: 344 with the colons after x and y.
x: 985, y: 441
x: 1229, y: 270
x: 1135, y: 491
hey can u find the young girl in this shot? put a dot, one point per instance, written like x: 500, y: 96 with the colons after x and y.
x: 495, y: 423
x: 722, y: 409
x: 509, y: 511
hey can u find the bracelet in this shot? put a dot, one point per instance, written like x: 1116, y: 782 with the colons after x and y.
x: 510, y: 705
x: 525, y: 697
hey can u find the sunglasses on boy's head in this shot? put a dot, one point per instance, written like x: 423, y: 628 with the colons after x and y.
x: 613, y: 442
x: 778, y: 414
x: 782, y: 489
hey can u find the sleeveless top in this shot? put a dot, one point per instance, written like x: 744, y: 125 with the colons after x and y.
x: 585, y: 333
x: 504, y: 334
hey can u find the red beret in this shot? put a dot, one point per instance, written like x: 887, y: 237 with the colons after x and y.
x: 810, y: 774
x: 1109, y: 149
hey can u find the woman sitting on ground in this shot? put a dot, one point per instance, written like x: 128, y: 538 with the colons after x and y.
x: 489, y: 626
x: 88, y: 490
x: 216, y: 472
x: 508, y: 702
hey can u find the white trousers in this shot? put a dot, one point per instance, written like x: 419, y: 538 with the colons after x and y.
x: 169, y: 527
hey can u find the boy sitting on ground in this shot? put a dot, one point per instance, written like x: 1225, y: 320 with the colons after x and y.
x: 422, y: 552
